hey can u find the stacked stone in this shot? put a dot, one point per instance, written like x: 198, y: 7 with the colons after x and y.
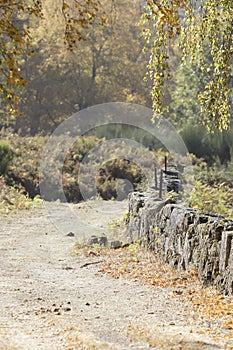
x: 184, y: 238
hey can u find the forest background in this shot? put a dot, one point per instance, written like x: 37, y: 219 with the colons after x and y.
x: 61, y: 57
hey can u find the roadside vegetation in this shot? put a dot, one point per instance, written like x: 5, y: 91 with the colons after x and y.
x: 20, y: 178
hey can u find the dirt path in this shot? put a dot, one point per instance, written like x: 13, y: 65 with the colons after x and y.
x: 49, y: 301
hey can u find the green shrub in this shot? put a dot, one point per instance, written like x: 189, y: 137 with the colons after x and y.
x: 12, y: 199
x: 216, y: 175
x: 213, y: 189
x: 115, y: 177
x: 210, y: 147
x: 6, y: 156
x: 118, y: 169
x: 23, y: 173
x: 24, y: 170
x: 212, y: 199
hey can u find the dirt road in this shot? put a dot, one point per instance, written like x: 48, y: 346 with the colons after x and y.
x: 49, y: 298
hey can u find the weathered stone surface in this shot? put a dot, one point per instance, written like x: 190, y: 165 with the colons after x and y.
x: 115, y: 244
x: 100, y: 240
x: 70, y: 234
x: 184, y: 238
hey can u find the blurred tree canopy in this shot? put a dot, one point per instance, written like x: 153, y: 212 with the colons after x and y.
x: 79, y: 60
x: 16, y: 37
x: 204, y: 30
x: 57, y: 57
x: 14, y: 41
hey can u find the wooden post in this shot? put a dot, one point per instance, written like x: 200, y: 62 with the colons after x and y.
x: 156, y: 180
x: 161, y: 184
x: 165, y: 164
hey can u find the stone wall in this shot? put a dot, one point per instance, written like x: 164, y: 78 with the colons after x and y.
x: 185, y: 238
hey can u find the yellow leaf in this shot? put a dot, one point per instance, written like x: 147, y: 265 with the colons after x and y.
x: 65, y: 6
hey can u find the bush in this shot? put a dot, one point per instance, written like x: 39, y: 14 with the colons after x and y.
x: 216, y: 200
x: 118, y: 169
x: 6, y: 156
x: 107, y: 173
x: 12, y: 199
x: 216, y: 175
x: 23, y: 173
x: 213, y: 189
x: 210, y: 147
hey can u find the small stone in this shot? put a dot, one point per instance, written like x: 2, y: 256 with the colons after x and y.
x: 68, y: 268
x: 91, y: 252
x: 70, y: 234
x: 115, y: 244
x: 93, y: 240
x: 67, y: 309
x: 102, y: 240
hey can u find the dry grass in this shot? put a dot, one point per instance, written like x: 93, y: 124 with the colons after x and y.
x: 207, y: 305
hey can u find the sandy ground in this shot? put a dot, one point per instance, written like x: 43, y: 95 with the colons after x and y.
x: 50, y: 300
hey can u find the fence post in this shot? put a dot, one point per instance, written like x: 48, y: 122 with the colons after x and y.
x: 155, y: 174
x: 165, y: 164
x: 161, y: 184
